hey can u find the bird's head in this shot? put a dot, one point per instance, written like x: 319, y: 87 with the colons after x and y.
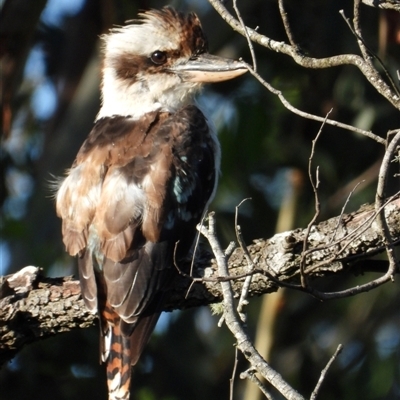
x: 157, y: 63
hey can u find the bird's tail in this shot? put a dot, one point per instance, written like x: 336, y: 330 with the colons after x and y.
x: 121, y: 345
x: 118, y: 364
x: 120, y: 351
x: 115, y: 348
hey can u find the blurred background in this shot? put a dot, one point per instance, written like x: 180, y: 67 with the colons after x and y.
x: 50, y: 95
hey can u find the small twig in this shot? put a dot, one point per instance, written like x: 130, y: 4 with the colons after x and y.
x: 352, y: 291
x: 249, y: 42
x: 355, y: 30
x: 219, y: 279
x: 246, y: 285
x: 196, y: 245
x: 379, y: 199
x: 250, y: 374
x: 366, y: 51
x: 314, y: 394
x: 180, y: 271
x: 311, y: 116
x: 286, y: 24
x: 344, y: 208
x: 205, y: 279
x: 230, y: 249
x: 314, y: 185
x: 232, y: 380
x: 221, y: 321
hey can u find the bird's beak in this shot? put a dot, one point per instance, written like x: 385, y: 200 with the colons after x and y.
x: 208, y: 68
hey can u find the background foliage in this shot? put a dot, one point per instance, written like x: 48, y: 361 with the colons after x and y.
x: 265, y: 157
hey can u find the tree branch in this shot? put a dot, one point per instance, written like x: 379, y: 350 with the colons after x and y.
x: 33, y: 307
x: 369, y: 72
x: 235, y: 324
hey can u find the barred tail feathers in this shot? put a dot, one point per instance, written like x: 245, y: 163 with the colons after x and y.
x: 121, y: 348
x: 117, y: 354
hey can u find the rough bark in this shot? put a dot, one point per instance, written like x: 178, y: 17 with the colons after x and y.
x: 33, y: 307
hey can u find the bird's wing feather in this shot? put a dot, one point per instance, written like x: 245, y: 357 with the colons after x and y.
x: 97, y: 188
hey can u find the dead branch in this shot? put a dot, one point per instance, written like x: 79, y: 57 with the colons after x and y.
x: 314, y: 394
x: 304, y: 114
x: 34, y: 307
x: 236, y: 325
x: 370, y: 72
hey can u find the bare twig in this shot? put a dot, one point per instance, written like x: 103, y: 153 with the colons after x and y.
x: 232, y: 380
x: 286, y: 24
x: 246, y: 285
x: 311, y: 116
x: 379, y: 200
x: 314, y: 394
x: 314, y: 184
x: 196, y: 243
x: 356, y: 30
x: 250, y: 374
x: 249, y: 43
x: 229, y: 250
x: 234, y: 323
x: 367, y: 53
x: 344, y: 208
x: 218, y: 279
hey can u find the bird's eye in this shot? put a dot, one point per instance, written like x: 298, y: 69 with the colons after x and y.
x: 158, y: 57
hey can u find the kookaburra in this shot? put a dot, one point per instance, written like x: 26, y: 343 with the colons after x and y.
x: 142, y: 179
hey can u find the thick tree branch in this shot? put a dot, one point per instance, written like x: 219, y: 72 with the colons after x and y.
x: 33, y: 306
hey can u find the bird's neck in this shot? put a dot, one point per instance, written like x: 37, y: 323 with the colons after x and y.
x: 136, y: 98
